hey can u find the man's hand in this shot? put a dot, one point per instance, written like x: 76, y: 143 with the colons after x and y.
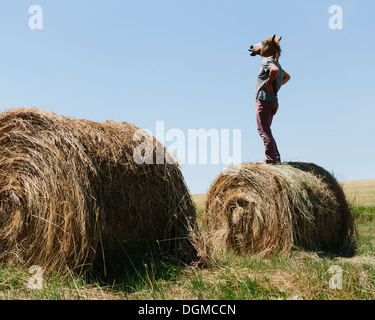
x: 269, y: 88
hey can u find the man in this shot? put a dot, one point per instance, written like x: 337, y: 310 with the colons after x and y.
x: 270, y: 79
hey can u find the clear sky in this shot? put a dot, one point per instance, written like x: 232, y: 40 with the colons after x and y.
x: 185, y: 62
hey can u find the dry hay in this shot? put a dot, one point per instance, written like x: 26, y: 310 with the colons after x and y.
x: 71, y: 194
x: 264, y: 209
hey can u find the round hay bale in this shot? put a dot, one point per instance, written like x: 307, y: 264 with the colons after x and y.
x: 264, y: 209
x: 72, y: 193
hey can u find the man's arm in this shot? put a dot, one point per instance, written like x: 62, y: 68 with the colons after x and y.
x: 286, y: 77
x: 274, y: 71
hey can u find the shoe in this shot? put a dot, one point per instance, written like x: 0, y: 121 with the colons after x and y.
x: 267, y: 162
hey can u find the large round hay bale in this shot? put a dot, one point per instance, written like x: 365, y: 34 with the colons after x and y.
x: 71, y: 193
x: 264, y: 209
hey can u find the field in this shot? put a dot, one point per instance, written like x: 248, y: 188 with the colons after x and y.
x: 300, y: 275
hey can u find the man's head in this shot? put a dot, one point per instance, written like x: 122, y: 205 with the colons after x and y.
x: 267, y: 48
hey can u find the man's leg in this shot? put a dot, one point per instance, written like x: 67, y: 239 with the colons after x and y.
x: 265, y: 110
x: 275, y: 106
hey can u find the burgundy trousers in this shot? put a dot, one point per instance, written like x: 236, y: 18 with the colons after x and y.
x: 265, y: 110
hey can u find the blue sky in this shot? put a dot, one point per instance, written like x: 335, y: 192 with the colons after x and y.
x: 185, y: 62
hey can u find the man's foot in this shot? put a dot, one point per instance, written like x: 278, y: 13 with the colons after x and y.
x: 267, y: 162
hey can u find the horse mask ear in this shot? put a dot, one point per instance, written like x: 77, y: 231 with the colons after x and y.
x: 278, y: 40
x: 273, y: 38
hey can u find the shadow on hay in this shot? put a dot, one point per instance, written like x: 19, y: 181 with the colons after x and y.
x: 345, y: 250
x: 348, y: 248
x: 137, y: 267
x: 135, y: 272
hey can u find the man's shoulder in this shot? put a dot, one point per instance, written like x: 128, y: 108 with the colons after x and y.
x: 269, y: 62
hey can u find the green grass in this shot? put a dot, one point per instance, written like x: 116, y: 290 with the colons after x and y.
x: 229, y: 286
x: 364, y: 214
x: 299, y: 275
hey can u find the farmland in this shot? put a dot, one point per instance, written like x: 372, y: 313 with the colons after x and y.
x: 299, y: 275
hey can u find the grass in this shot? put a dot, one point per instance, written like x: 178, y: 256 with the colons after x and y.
x: 299, y: 275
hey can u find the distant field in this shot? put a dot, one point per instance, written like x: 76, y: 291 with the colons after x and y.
x: 360, y: 193
x: 200, y: 200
